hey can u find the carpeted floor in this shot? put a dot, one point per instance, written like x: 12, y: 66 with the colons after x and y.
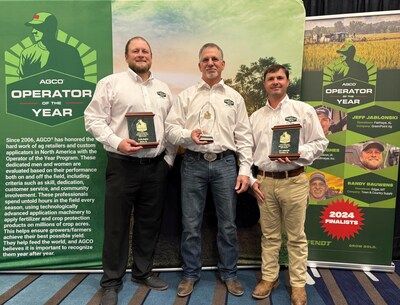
x: 332, y: 287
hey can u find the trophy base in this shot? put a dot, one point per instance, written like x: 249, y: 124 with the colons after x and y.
x: 289, y: 156
x: 148, y: 145
x: 207, y: 138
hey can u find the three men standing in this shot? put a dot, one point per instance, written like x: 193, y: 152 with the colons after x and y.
x: 210, y: 121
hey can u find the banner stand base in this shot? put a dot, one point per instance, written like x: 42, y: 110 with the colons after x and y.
x: 351, y: 266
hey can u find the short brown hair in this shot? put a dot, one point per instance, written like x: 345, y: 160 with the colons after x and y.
x: 275, y: 68
x: 136, y: 38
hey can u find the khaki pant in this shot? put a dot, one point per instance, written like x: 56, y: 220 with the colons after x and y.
x: 284, y: 208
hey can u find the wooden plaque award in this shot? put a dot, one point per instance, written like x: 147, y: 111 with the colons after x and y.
x: 141, y: 128
x: 285, y: 142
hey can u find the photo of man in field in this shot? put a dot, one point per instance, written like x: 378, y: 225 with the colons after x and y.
x: 324, y: 39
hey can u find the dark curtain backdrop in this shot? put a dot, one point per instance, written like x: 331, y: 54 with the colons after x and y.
x: 332, y: 7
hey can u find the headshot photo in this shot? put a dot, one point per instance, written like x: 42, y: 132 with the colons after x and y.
x: 324, y: 186
x: 372, y: 155
x: 325, y: 118
x: 318, y: 186
x: 331, y: 120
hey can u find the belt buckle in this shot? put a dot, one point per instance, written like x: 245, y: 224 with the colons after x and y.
x: 275, y: 175
x: 210, y: 156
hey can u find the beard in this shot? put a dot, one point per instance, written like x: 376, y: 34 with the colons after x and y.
x: 140, y: 69
x: 211, y: 75
x: 372, y: 164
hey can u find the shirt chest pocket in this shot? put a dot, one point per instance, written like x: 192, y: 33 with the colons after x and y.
x: 160, y: 102
x: 227, y: 115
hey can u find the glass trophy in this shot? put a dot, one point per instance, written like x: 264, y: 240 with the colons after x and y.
x: 141, y: 128
x: 285, y: 142
x: 207, y: 122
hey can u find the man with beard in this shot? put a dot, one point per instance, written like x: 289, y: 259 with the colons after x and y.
x: 135, y: 177
x: 371, y: 155
x: 212, y: 109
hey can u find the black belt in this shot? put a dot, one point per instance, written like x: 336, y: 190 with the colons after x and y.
x: 209, y: 156
x: 136, y: 160
x: 282, y: 175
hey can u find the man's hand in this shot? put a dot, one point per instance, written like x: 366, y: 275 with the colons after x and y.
x: 242, y: 184
x: 196, y: 137
x: 283, y: 160
x: 129, y: 147
x: 257, y: 191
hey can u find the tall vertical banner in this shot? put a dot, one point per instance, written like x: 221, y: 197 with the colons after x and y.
x: 53, y: 53
x: 351, y: 72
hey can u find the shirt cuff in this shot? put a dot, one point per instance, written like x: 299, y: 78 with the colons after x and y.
x: 252, y: 180
x: 169, y: 159
x: 187, y: 137
x: 114, y: 141
x: 245, y: 171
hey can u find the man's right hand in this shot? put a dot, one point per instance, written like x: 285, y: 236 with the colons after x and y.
x: 129, y: 147
x: 257, y: 191
x: 196, y: 137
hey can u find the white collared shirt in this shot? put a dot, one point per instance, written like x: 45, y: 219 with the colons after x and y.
x: 231, y: 129
x: 312, y: 142
x: 124, y: 92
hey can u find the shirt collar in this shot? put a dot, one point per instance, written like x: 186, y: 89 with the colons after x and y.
x: 281, y: 103
x: 203, y: 85
x: 137, y: 78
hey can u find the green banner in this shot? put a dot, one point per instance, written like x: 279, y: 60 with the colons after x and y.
x: 52, y: 202
x: 350, y: 76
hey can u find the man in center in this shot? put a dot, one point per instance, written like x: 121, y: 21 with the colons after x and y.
x: 211, y: 108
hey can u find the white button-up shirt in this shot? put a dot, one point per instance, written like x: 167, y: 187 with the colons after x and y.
x: 312, y: 141
x: 124, y: 92
x: 231, y: 128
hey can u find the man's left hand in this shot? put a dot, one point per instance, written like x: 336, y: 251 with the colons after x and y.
x: 285, y: 160
x: 242, y: 183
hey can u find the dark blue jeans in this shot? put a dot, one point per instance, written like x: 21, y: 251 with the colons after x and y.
x: 220, y: 175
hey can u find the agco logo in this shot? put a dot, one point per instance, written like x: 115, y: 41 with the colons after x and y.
x: 50, y: 75
x: 349, y: 80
